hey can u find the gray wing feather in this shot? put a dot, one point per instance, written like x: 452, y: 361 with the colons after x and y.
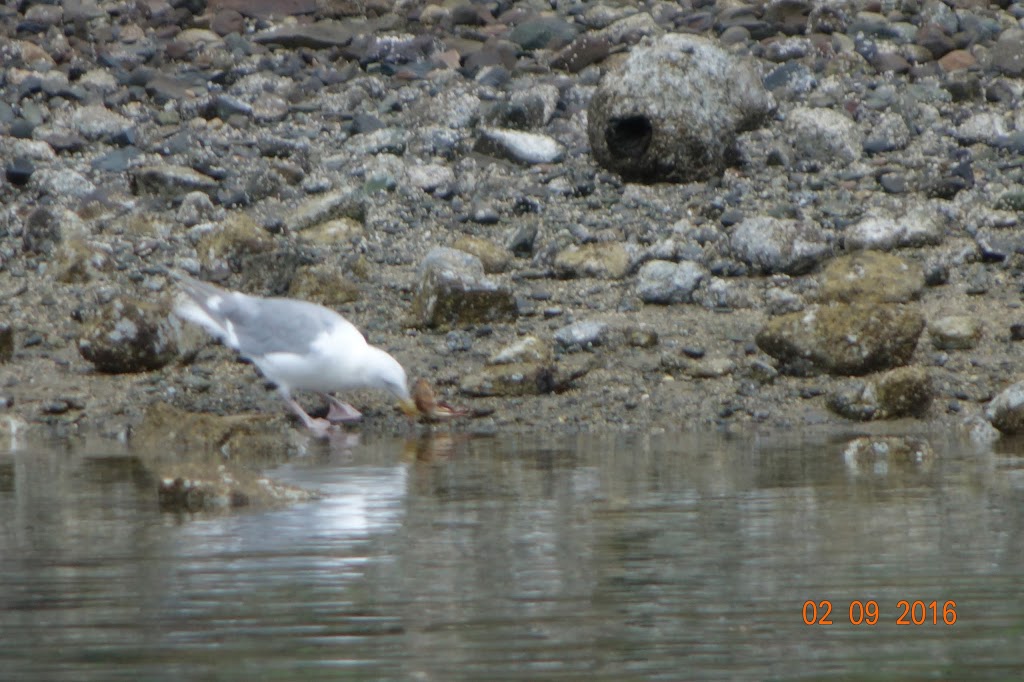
x: 263, y: 325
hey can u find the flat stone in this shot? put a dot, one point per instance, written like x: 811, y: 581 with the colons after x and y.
x: 319, y: 36
x: 604, y: 260
x: 871, y: 276
x: 171, y: 181
x: 955, y: 332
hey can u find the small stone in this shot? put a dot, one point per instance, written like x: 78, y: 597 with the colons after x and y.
x: 711, y: 368
x: 583, y: 335
x: 495, y: 258
x: 604, y: 260
x: 529, y: 349
x: 1006, y: 410
x: 520, y: 146
x: 170, y: 181
x: 665, y: 282
x: 955, y: 332
x: 19, y: 171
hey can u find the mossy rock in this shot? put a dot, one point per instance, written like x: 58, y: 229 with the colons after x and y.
x: 843, y: 339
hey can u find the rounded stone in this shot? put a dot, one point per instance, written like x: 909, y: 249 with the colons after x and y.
x: 955, y: 332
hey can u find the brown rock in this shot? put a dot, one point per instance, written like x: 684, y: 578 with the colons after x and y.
x: 957, y: 60
x: 227, y: 21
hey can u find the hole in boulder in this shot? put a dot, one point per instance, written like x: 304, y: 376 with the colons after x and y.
x: 628, y: 136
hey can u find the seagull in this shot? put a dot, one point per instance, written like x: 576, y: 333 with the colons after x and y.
x: 297, y: 345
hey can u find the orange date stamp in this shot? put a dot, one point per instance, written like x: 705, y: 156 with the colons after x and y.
x: 916, y: 612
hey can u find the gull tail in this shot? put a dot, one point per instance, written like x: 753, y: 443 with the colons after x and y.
x: 199, y: 303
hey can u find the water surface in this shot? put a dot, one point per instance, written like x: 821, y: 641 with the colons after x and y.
x: 612, y: 558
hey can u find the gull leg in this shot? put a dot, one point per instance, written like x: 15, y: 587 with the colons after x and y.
x: 319, y: 427
x: 340, y: 412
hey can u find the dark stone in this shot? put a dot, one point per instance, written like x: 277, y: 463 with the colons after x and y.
x: 22, y: 129
x: 893, y: 183
x: 585, y: 50
x: 129, y: 335
x: 19, y: 171
x: 6, y: 342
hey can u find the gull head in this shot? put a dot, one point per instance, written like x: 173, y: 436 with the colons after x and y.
x: 384, y: 372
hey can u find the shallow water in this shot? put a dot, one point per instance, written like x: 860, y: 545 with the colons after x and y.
x: 664, y: 557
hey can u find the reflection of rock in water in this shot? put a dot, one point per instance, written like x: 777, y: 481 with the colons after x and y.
x: 880, y: 455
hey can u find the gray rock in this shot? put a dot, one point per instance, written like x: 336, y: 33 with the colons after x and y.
x: 129, y: 335
x: 986, y: 127
x: 96, y: 122
x: 888, y: 134
x: 516, y: 145
x: 526, y: 350
x: 824, y: 135
x: 342, y: 203
x: 430, y: 177
x: 604, y: 260
x: 42, y: 231
x: 582, y: 335
x: 778, y: 245
x: 1008, y: 53
x: 382, y: 141
x: 64, y: 183
x: 901, y: 392
x: 317, y: 36
x: 673, y: 109
x: 919, y: 226
x: 1006, y: 410
x: 196, y: 208
x: 871, y: 276
x: 543, y: 33
x: 453, y: 292
x: 955, y: 332
x: 711, y: 367
x: 843, y: 339
x: 172, y: 181
x: 662, y: 281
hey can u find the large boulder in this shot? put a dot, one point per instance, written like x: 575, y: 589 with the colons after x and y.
x: 843, y: 339
x: 671, y: 112
x: 129, y: 335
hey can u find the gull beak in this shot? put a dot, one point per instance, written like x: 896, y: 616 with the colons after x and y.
x: 409, y: 408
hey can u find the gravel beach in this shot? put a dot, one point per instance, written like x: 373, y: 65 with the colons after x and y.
x: 564, y: 215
